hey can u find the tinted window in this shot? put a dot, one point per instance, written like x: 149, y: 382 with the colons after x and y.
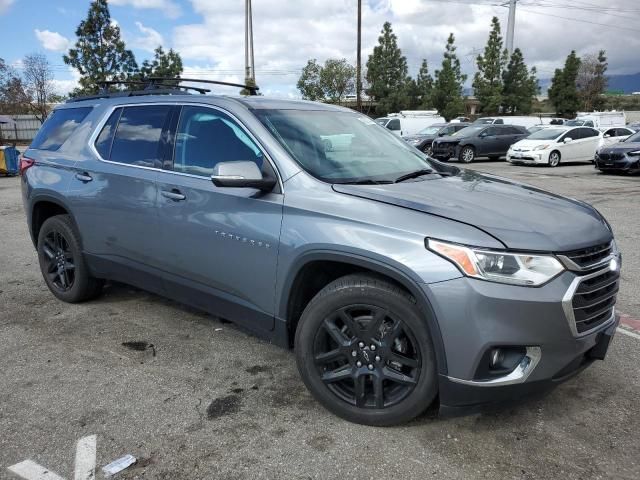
x: 492, y: 131
x: 137, y: 139
x: 206, y: 137
x: 513, y: 130
x: 59, y: 127
x: 105, y: 139
x: 588, y: 133
x: 622, y: 132
x: 394, y: 124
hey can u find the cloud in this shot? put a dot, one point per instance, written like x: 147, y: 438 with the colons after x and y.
x: 168, y: 7
x: 52, y: 40
x: 63, y: 87
x: 149, y: 40
x: 4, y: 5
x: 286, y: 35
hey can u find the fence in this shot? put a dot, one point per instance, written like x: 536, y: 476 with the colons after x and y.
x: 22, y: 131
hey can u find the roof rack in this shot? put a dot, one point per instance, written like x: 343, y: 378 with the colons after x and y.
x: 157, y: 86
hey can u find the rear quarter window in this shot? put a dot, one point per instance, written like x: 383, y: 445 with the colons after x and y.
x: 59, y: 127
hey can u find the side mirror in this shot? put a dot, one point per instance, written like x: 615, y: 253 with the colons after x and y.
x: 606, y: 135
x: 568, y: 139
x: 243, y: 174
x: 441, y: 134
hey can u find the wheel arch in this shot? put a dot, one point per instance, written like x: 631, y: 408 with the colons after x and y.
x: 294, y: 296
x: 44, y: 206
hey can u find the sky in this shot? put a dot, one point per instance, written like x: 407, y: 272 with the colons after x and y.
x: 209, y: 34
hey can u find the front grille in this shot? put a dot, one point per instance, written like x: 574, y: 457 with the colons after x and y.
x: 594, y: 299
x: 589, y: 256
x: 611, y: 156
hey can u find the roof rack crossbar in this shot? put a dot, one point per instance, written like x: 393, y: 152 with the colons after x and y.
x: 150, y: 84
x: 252, y: 89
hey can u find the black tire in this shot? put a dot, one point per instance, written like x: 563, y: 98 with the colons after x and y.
x: 467, y: 154
x: 554, y: 159
x: 62, y: 264
x: 428, y: 149
x: 402, y: 366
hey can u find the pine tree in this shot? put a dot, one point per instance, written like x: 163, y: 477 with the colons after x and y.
x: 592, y: 81
x: 520, y: 86
x: 387, y: 73
x: 424, y: 85
x: 99, y: 53
x: 164, y: 64
x: 563, y: 93
x: 487, y: 83
x: 448, y: 84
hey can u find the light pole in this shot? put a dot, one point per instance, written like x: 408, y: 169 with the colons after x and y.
x: 359, y: 60
x: 249, y: 66
x: 511, y: 25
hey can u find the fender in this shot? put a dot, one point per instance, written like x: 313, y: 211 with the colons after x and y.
x: 390, y: 271
x: 46, y: 196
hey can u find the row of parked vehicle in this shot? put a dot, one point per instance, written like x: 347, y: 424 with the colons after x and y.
x: 597, y: 138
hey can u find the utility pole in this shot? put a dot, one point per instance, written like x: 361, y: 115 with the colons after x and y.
x: 359, y: 60
x: 511, y: 26
x: 249, y: 66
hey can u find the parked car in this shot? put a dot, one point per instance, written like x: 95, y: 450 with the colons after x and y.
x: 410, y: 122
x: 491, y: 141
x: 425, y: 137
x: 396, y: 278
x: 524, y: 121
x: 614, y: 135
x: 536, y: 128
x: 620, y: 157
x: 555, y: 144
x: 635, y: 126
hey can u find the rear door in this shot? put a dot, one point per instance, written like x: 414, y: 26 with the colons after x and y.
x: 219, y: 246
x: 589, y: 143
x: 114, y: 195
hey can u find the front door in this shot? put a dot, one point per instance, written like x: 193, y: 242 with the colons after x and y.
x: 219, y: 245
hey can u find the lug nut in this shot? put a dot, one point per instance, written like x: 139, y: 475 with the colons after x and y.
x: 378, y: 358
x: 370, y: 367
x: 361, y: 344
x: 358, y: 363
x: 373, y: 347
x: 354, y: 353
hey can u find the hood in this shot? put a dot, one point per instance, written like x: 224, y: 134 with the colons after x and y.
x: 419, y: 137
x: 520, y: 216
x: 621, y: 147
x: 448, y: 139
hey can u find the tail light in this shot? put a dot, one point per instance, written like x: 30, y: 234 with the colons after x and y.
x: 25, y: 164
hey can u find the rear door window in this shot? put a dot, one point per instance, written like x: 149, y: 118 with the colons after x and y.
x: 59, y: 127
x: 137, y: 140
x: 206, y: 137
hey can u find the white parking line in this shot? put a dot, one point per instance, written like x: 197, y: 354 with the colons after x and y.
x: 32, y: 471
x: 628, y: 333
x: 86, y: 458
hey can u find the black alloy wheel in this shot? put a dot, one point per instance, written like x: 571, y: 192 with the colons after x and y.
x: 60, y: 263
x: 364, y: 350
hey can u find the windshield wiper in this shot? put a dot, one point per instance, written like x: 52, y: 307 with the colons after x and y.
x: 367, y: 181
x: 415, y: 174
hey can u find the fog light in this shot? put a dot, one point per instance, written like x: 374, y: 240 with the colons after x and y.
x: 613, y: 264
x: 496, y: 357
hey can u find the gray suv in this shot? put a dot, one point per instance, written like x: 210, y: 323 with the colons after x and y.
x: 397, y: 279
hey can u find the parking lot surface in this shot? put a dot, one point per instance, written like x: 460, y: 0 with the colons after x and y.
x: 194, y: 398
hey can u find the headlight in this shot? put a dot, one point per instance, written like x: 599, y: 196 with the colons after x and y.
x: 541, y: 147
x: 635, y: 153
x: 502, y: 267
x: 415, y: 141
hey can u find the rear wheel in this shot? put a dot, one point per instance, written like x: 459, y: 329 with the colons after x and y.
x: 554, y: 158
x: 61, y: 261
x: 364, y: 351
x: 467, y: 154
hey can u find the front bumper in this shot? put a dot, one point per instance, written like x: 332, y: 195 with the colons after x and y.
x: 445, y: 151
x: 530, y: 157
x: 475, y: 316
x: 625, y: 164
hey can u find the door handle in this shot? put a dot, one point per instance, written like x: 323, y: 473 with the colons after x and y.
x: 174, y: 195
x: 84, y: 177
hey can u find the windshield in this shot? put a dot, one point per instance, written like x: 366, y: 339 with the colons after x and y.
x: 429, y: 130
x: 468, y: 131
x: 342, y: 147
x: 546, y: 134
x: 484, y: 121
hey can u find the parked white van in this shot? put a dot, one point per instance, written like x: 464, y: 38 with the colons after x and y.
x: 598, y: 119
x: 410, y: 122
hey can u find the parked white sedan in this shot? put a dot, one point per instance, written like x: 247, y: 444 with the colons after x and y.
x: 552, y: 145
x: 614, y: 135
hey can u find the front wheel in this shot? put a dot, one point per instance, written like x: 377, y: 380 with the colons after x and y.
x: 364, y: 351
x: 467, y: 154
x: 554, y: 159
x: 428, y: 149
